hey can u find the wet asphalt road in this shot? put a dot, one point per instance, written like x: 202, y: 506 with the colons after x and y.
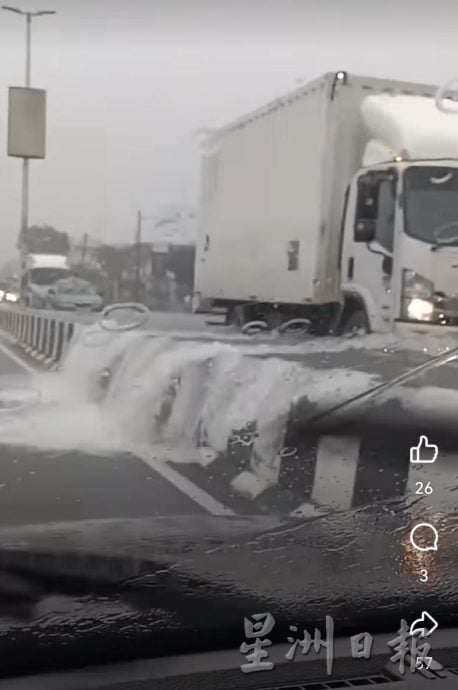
x: 47, y: 486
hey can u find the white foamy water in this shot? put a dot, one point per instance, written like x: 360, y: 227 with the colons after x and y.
x: 187, y: 325
x: 164, y: 390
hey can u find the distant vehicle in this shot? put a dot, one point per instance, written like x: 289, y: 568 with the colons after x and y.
x: 335, y: 205
x: 40, y: 273
x: 72, y: 294
x: 7, y: 294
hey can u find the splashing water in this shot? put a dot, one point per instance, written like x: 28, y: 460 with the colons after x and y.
x: 165, y: 391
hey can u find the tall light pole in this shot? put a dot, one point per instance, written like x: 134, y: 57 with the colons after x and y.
x: 25, y: 161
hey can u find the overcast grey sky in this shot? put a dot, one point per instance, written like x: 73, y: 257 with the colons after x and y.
x: 130, y: 82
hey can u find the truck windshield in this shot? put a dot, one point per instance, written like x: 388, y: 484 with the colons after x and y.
x: 47, y: 276
x: 431, y: 204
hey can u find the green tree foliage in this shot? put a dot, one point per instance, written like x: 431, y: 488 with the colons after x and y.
x: 43, y: 239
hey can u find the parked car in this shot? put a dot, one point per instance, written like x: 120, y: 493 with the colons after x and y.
x: 74, y: 293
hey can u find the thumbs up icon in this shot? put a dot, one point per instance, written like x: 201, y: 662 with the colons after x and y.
x: 424, y: 452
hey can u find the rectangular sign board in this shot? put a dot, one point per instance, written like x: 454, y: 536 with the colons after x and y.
x: 26, y: 122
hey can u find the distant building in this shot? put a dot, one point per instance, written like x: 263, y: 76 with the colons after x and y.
x: 173, y: 238
x: 159, y: 272
x: 174, y: 225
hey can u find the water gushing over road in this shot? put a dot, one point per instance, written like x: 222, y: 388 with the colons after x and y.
x: 130, y: 388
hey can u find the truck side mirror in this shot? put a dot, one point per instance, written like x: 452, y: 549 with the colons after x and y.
x: 364, y: 230
x: 367, y: 201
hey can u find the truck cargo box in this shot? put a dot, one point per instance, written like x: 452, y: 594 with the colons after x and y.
x: 273, y: 190
x: 47, y: 261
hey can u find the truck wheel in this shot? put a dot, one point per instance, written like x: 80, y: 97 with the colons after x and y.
x: 357, y: 322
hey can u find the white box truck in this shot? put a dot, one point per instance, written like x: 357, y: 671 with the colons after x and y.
x: 40, y: 272
x: 334, y: 206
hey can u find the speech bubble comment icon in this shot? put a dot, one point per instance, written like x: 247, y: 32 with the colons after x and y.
x: 424, y: 537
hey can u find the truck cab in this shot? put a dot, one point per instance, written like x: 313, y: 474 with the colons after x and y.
x: 399, y: 261
x: 400, y: 246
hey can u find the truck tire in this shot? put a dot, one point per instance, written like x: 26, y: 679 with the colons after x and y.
x: 357, y: 322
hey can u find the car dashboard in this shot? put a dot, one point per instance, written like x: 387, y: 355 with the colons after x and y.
x: 221, y: 670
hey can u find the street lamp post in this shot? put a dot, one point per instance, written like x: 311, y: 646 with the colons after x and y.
x: 28, y: 62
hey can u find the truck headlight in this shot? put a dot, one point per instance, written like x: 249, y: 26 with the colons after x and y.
x: 419, y: 309
x: 417, y: 296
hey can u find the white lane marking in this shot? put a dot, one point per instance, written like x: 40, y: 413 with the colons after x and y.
x: 186, y: 486
x: 18, y: 360
x: 335, y: 471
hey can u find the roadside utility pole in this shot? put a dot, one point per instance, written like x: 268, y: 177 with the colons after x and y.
x: 28, y: 62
